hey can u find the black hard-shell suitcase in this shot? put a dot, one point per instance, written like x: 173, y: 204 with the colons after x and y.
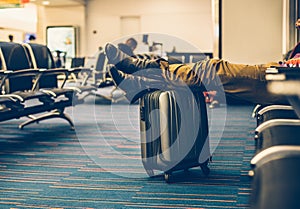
x: 174, y: 131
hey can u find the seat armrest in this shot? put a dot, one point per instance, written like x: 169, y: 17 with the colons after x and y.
x: 276, y: 122
x: 8, y: 74
x: 255, y: 110
x: 54, y: 71
x: 20, y: 73
x: 274, y: 107
x: 57, y: 72
x: 80, y: 69
x: 274, y: 152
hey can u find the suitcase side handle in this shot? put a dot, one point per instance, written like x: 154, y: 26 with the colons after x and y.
x: 142, y: 114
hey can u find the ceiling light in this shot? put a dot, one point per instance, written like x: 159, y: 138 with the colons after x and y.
x: 46, y: 2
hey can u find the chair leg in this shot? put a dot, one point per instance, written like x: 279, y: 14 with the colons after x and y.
x: 53, y: 114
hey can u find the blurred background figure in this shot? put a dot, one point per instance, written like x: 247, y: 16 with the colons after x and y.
x: 128, y: 47
x: 11, y: 38
x: 32, y: 39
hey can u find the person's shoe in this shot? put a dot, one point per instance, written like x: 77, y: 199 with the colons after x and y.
x: 129, y: 64
x: 134, y: 86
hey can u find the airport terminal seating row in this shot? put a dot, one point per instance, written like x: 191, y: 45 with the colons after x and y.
x: 32, y: 87
x: 276, y: 163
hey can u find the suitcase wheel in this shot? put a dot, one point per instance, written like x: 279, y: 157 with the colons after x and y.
x: 205, y: 169
x: 167, y: 177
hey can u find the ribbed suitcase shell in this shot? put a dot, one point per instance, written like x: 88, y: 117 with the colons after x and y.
x: 174, y: 131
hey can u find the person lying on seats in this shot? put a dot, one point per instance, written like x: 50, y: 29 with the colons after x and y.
x: 240, y: 82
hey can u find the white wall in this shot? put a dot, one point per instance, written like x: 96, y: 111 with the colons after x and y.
x: 18, y: 35
x: 252, y: 31
x: 23, y: 19
x: 18, y: 22
x: 189, y: 20
x: 63, y: 16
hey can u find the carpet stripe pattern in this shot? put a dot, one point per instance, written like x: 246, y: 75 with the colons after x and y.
x: 46, y: 165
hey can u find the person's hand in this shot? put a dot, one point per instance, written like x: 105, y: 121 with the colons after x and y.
x: 209, y: 96
x: 293, y: 61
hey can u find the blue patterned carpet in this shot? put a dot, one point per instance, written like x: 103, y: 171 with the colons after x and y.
x: 47, y: 165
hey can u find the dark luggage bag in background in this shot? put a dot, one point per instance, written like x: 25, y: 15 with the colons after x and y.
x: 174, y: 131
